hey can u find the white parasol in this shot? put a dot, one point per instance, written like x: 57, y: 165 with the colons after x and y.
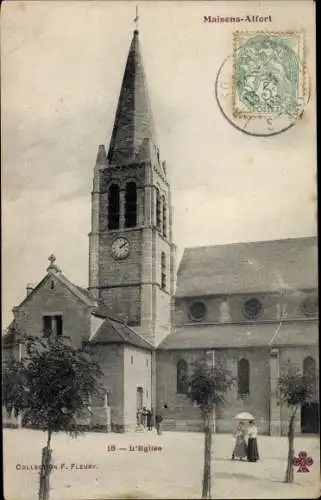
x: 244, y: 416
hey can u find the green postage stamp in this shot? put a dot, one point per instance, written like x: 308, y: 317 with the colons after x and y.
x: 268, y: 74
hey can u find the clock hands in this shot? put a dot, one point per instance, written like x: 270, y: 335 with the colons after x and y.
x: 120, y: 248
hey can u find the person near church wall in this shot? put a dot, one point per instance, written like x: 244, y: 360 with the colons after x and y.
x: 139, y: 418
x: 252, y: 448
x: 158, y: 421
x: 240, y: 448
x: 144, y: 416
x: 149, y: 419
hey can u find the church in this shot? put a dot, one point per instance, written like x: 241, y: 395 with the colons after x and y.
x: 251, y: 307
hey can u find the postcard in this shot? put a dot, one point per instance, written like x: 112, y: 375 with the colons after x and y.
x: 160, y: 292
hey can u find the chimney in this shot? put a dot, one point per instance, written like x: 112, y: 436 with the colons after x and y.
x: 29, y: 288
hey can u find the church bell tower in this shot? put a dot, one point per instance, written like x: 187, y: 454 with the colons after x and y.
x: 131, y: 251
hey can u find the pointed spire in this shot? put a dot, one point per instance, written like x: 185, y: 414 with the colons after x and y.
x: 101, y: 155
x: 133, y: 123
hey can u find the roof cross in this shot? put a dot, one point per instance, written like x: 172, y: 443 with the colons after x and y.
x: 52, y: 259
x: 52, y: 266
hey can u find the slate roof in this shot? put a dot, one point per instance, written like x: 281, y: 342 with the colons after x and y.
x: 102, y: 311
x: 82, y: 293
x: 134, y: 124
x: 292, y: 333
x: 112, y: 330
x: 117, y: 332
x: 248, y: 267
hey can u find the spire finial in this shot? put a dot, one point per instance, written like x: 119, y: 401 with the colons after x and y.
x: 133, y: 132
x: 136, y: 20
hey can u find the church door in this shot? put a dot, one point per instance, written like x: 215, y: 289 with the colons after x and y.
x: 310, y: 418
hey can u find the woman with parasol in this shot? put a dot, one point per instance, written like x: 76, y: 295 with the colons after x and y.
x: 240, y: 434
x: 240, y: 448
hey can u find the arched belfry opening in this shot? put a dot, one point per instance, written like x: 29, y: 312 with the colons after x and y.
x: 113, y: 206
x: 131, y: 205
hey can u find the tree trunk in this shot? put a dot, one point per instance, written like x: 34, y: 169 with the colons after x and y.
x: 289, y: 470
x: 44, y: 486
x: 206, y: 493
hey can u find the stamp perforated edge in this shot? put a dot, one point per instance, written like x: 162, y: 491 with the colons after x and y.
x: 302, y: 68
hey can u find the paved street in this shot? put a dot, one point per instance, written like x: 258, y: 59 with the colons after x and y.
x: 173, y: 472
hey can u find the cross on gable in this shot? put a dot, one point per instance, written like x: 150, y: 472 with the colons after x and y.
x: 52, y: 259
x: 52, y: 266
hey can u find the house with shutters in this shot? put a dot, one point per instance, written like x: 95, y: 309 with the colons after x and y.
x: 249, y: 306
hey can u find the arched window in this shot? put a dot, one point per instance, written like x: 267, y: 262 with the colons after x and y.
x: 243, y: 378
x: 182, y: 385
x: 163, y: 270
x: 131, y: 205
x: 164, y: 216
x: 113, y: 207
x: 309, y: 371
x: 158, y: 210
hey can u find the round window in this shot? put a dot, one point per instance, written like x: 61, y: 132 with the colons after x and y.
x: 310, y: 305
x: 253, y: 308
x: 197, y: 311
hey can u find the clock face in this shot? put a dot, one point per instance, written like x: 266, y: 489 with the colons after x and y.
x: 120, y: 248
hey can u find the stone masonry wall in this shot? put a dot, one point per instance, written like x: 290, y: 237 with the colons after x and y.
x: 137, y: 373
x: 182, y: 414
x: 111, y: 360
x: 258, y: 399
x: 296, y: 355
x: 270, y: 302
x: 52, y: 301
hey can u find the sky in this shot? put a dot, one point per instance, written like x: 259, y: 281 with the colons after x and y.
x: 62, y: 66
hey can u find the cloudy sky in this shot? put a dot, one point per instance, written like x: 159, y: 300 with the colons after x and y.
x: 62, y: 65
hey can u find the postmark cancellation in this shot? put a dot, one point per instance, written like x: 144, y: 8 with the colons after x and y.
x: 268, y: 75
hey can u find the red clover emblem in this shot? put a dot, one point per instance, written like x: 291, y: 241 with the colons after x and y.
x: 302, y: 461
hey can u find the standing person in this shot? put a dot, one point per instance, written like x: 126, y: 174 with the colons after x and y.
x: 252, y: 449
x: 158, y: 420
x: 149, y: 420
x: 139, y: 418
x: 144, y: 416
x: 240, y: 448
